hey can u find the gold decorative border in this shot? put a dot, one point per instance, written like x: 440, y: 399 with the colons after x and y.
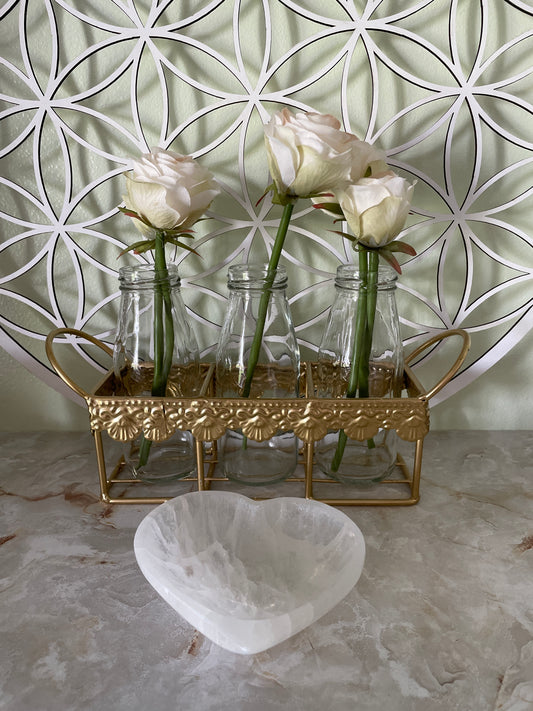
x: 208, y: 418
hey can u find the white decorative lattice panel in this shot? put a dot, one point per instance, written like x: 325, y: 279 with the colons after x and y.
x: 444, y: 86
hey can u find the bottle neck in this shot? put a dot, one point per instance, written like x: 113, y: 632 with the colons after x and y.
x: 146, y: 276
x: 349, y: 277
x: 256, y: 277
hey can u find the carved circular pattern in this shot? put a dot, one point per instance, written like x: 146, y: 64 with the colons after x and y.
x: 444, y: 87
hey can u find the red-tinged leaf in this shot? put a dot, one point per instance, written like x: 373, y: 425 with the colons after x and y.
x: 263, y: 196
x: 332, y: 207
x: 129, y: 213
x: 139, y: 247
x: 391, y: 259
x: 314, y: 196
x: 178, y: 233
x: 344, y: 234
x: 401, y: 247
x: 136, y: 215
x: 177, y: 243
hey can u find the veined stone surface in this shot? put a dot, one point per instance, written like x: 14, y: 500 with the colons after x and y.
x: 441, y: 618
x: 249, y: 574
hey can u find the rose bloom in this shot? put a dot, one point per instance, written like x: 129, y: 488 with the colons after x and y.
x: 308, y: 154
x: 376, y: 208
x: 168, y: 190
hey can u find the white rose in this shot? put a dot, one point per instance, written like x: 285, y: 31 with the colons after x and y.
x: 308, y: 153
x: 168, y: 190
x: 376, y: 208
x: 367, y: 161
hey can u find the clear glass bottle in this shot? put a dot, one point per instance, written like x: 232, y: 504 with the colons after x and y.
x: 341, y: 458
x: 254, y: 294
x: 152, y: 299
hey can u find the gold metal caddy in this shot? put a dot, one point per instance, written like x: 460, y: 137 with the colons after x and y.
x: 207, y: 417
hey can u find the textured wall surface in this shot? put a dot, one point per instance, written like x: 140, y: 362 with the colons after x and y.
x: 443, y: 86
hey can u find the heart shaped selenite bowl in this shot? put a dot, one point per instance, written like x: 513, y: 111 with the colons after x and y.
x: 249, y: 574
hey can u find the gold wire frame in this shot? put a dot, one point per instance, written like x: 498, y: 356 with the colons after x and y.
x: 309, y: 417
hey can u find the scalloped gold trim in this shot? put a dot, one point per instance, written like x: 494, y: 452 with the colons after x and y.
x: 208, y: 418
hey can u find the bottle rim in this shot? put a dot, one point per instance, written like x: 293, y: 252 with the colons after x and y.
x: 348, y: 277
x: 147, y: 276
x: 256, y: 275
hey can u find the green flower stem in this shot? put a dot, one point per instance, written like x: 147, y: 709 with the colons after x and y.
x: 163, y: 333
x: 359, y: 344
x: 371, y: 301
x: 362, y: 345
x: 265, y: 297
x: 273, y: 262
x: 370, y: 306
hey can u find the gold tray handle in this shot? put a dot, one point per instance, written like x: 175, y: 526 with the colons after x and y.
x: 49, y: 345
x: 455, y: 367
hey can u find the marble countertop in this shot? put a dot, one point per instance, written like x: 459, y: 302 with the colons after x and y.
x: 441, y: 619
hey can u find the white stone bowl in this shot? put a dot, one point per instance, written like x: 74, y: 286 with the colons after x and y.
x: 249, y: 574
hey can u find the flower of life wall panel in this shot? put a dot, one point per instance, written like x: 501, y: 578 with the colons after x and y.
x: 443, y: 86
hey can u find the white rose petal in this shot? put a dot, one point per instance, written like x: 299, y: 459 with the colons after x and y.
x: 170, y: 190
x: 149, y: 200
x: 364, y: 157
x: 376, y: 208
x: 309, y: 154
